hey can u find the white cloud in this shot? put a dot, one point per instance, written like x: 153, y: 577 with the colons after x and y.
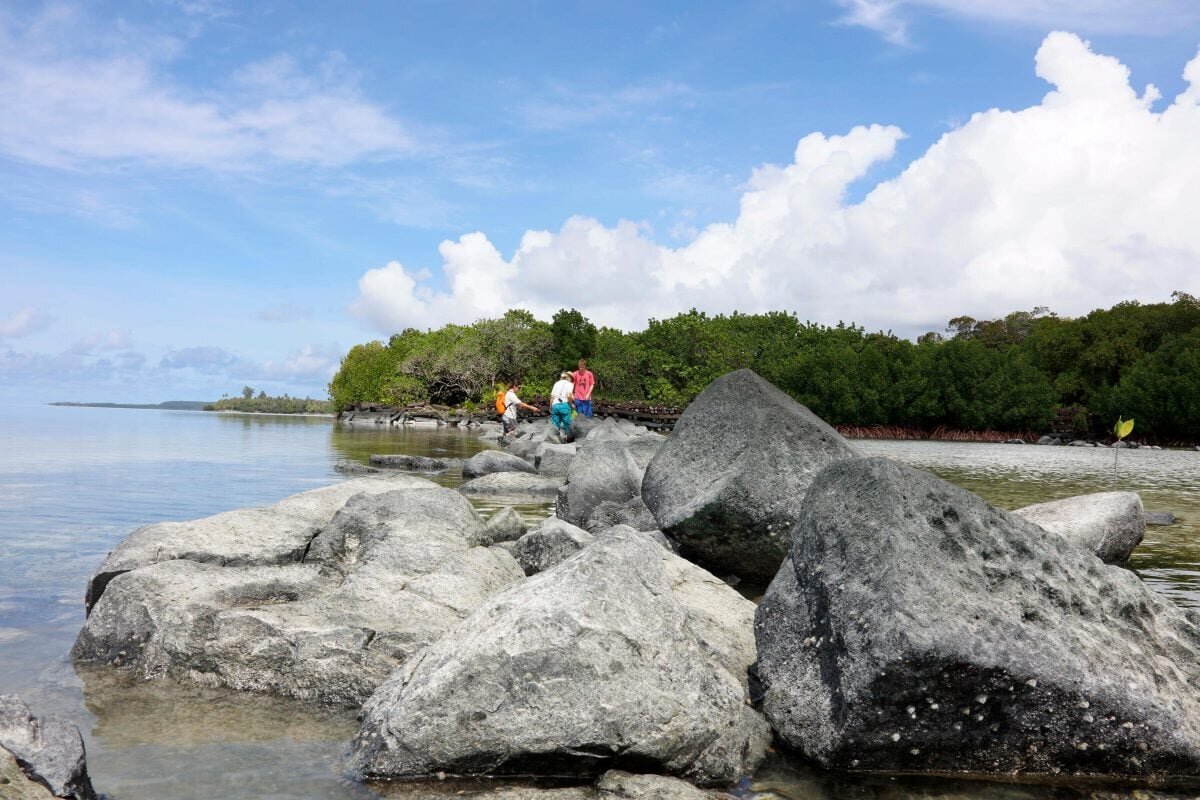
x: 203, y: 359
x: 23, y: 322
x: 1083, y: 200
x: 310, y: 363
x: 114, y: 100
x: 116, y: 339
x: 890, y: 18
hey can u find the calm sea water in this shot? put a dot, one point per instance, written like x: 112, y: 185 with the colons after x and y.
x: 75, y: 481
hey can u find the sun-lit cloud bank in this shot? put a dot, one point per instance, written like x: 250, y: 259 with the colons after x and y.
x: 1086, y: 199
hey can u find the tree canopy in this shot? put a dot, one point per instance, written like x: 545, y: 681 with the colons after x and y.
x: 1013, y: 373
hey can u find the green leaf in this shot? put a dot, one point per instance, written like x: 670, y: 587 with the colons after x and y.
x: 1123, y: 428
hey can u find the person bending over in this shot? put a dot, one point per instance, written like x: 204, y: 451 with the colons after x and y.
x: 562, y: 394
x: 511, y: 403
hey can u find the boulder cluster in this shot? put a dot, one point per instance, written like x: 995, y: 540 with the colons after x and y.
x: 906, y: 625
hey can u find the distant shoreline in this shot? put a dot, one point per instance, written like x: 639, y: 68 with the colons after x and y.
x: 170, y: 405
x: 272, y: 413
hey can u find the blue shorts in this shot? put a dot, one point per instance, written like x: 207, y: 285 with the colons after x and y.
x: 584, y: 407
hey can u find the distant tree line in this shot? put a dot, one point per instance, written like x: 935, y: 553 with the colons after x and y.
x: 261, y: 403
x: 1014, y: 374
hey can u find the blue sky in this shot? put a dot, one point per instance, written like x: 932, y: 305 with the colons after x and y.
x: 199, y: 195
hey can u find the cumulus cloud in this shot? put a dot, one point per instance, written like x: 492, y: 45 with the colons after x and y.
x: 1083, y: 200
x: 114, y: 100
x: 116, y: 339
x: 23, y: 322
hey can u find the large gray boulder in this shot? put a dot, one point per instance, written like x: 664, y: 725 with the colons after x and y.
x: 1110, y: 524
x: 728, y: 483
x: 548, y: 544
x: 511, y: 484
x: 47, y: 753
x: 604, y: 471
x: 389, y: 574
x: 919, y: 629
x: 621, y: 654
x: 488, y: 461
x: 410, y: 462
x: 274, y: 534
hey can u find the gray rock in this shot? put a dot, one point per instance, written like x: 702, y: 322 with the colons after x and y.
x: 1014, y: 441
x: 48, y: 751
x: 389, y: 574
x: 491, y: 461
x: 548, y: 544
x: 632, y: 512
x: 604, y: 470
x: 1050, y: 440
x: 922, y: 630
x: 275, y: 534
x: 1160, y: 518
x: 1110, y: 524
x: 347, y: 467
x: 625, y: 786
x: 728, y: 483
x: 506, y: 525
x: 414, y: 463
x: 554, y: 460
x: 1080, y: 443
x: 15, y: 784
x: 512, y: 484
x: 582, y: 426
x: 598, y: 662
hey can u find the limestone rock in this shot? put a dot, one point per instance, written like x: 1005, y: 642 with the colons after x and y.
x: 512, y: 484
x: 548, y: 544
x: 47, y: 751
x: 1110, y: 524
x: 490, y: 461
x: 728, y: 483
x: 274, y: 534
x: 389, y: 574
x: 506, y: 525
x: 919, y: 629
x: 554, y: 460
x: 598, y: 662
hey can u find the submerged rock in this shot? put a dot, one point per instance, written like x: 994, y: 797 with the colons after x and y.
x: 414, y: 463
x: 917, y: 628
x: 623, y: 654
x: 512, y: 484
x: 728, y: 483
x: 389, y: 574
x: 40, y: 757
x: 1110, y: 524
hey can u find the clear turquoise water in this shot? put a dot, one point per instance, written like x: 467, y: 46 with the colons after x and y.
x: 75, y: 481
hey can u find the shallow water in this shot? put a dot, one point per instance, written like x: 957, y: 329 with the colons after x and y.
x: 75, y: 481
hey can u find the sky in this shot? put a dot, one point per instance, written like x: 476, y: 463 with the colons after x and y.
x: 199, y: 195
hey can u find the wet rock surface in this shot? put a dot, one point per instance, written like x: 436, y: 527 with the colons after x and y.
x: 917, y: 628
x: 414, y: 463
x: 728, y: 483
x: 1110, y: 524
x: 607, y: 660
x: 40, y: 757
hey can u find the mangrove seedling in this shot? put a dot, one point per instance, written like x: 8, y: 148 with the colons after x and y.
x: 1123, y: 428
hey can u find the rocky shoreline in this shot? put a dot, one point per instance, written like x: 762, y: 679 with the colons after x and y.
x: 908, y: 627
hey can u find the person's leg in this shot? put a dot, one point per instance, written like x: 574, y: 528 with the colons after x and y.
x: 584, y: 407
